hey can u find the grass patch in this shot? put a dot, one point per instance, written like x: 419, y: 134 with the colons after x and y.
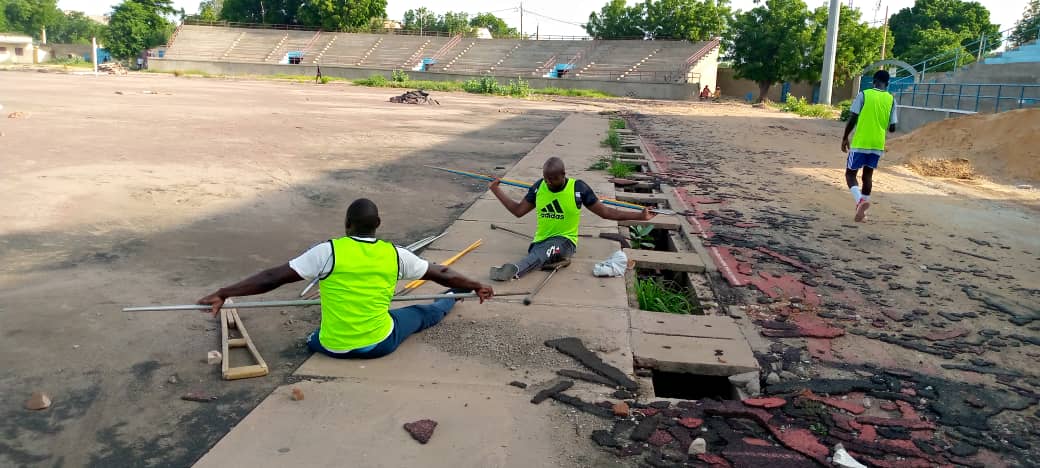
x: 73, y: 62
x: 589, y: 93
x: 846, y: 110
x: 486, y: 84
x: 192, y: 73
x: 657, y: 295
x: 800, y: 106
x: 613, y: 140
x: 641, y: 236
x: 617, y: 124
x: 620, y: 169
x: 600, y: 165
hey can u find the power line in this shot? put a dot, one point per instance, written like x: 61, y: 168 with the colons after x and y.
x: 581, y: 25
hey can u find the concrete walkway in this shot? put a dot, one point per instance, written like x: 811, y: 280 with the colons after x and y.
x: 353, y: 411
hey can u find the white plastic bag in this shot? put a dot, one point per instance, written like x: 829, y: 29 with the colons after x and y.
x: 613, y: 266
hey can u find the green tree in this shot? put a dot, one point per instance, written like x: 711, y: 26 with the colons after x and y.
x: 495, y: 25
x: 209, y: 10
x: 420, y: 19
x: 29, y: 16
x: 137, y: 25
x: 693, y: 20
x: 340, y: 15
x: 455, y: 23
x: 74, y: 28
x: 957, y: 22
x: 262, y: 11
x: 616, y: 20
x: 1028, y: 28
x: 769, y: 43
x: 859, y: 44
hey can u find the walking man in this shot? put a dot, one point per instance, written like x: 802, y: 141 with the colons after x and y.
x: 559, y: 201
x: 357, y: 276
x: 872, y: 112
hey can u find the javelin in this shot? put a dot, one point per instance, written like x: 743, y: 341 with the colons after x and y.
x: 517, y: 183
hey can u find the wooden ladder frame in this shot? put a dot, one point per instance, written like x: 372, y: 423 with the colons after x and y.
x: 229, y: 320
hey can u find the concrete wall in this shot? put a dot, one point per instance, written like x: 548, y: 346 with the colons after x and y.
x: 65, y: 50
x: 706, y: 71
x: 733, y: 87
x: 9, y: 56
x: 617, y: 88
x: 911, y: 117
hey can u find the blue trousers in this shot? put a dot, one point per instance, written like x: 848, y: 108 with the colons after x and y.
x: 407, y: 321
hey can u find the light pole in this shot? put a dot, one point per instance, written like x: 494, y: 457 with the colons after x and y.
x: 830, y: 49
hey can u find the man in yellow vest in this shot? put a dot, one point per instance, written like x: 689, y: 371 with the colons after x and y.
x: 357, y: 275
x: 872, y: 112
x: 559, y: 201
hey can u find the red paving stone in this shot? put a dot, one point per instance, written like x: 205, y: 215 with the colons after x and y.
x: 787, y: 260
x: 903, y: 463
x: 758, y: 442
x: 907, y: 410
x: 765, y: 402
x: 895, y: 422
x: 868, y: 433
x: 802, y: 441
x: 820, y: 348
x: 786, y: 286
x: 660, y: 438
x: 691, y: 423
x: 835, y: 402
x: 889, y: 406
x: 714, y: 460
x: 940, y: 335
x: 649, y: 411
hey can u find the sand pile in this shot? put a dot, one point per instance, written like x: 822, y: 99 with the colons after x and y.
x: 1001, y: 147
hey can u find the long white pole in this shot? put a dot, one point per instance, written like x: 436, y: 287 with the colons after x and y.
x: 305, y: 302
x: 93, y: 53
x: 830, y: 49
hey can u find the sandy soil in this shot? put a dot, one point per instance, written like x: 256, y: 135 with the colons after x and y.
x: 153, y: 189
x: 1003, y: 148
x: 926, y: 242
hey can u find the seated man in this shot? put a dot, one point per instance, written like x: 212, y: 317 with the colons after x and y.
x: 358, y: 275
x: 705, y: 93
x: 559, y: 201
x: 718, y: 94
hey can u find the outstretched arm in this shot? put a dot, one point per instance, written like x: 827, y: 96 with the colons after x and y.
x: 517, y: 208
x: 606, y: 212
x: 267, y: 280
x: 445, y: 276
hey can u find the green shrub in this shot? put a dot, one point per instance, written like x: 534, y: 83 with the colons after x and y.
x: 657, y: 295
x: 519, y: 88
x: 486, y: 84
x: 846, y: 110
x: 551, y: 91
x: 399, y: 76
x: 600, y: 165
x: 378, y: 81
x: 620, y: 169
x: 800, y: 105
x: 324, y: 79
x: 641, y: 237
x: 613, y: 140
x: 617, y: 123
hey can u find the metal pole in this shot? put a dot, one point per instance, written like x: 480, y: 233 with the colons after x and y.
x: 521, y: 21
x: 1021, y: 96
x: 830, y: 49
x: 93, y: 53
x: 884, y: 32
x: 997, y: 103
x: 307, y: 302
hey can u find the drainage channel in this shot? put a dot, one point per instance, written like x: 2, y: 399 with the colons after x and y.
x: 674, y: 292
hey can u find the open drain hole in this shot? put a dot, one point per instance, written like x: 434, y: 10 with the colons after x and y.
x: 666, y: 291
x: 691, y: 386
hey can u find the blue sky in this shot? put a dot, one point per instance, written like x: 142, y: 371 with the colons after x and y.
x: 552, y: 17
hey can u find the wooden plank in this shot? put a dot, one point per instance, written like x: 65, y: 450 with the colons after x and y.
x: 642, y: 198
x: 225, y: 356
x: 251, y: 371
x: 675, y: 261
x: 246, y: 372
x: 666, y: 222
x: 236, y: 343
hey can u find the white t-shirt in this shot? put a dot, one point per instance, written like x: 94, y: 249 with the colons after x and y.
x: 317, y: 262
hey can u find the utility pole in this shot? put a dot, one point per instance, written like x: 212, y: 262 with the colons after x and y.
x: 521, y: 21
x: 884, y: 37
x: 830, y: 49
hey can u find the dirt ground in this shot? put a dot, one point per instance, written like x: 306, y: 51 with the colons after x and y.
x: 929, y: 247
x: 151, y: 189
x: 118, y: 199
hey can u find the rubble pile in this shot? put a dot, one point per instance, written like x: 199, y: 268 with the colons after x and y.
x: 415, y: 97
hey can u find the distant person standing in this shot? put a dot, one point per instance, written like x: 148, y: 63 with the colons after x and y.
x: 872, y: 112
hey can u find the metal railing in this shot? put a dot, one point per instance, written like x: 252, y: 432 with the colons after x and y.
x: 391, y: 31
x: 971, y: 97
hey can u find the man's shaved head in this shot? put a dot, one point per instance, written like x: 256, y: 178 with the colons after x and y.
x: 554, y: 174
x: 362, y: 217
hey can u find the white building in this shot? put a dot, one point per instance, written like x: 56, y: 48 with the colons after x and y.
x: 16, y: 48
